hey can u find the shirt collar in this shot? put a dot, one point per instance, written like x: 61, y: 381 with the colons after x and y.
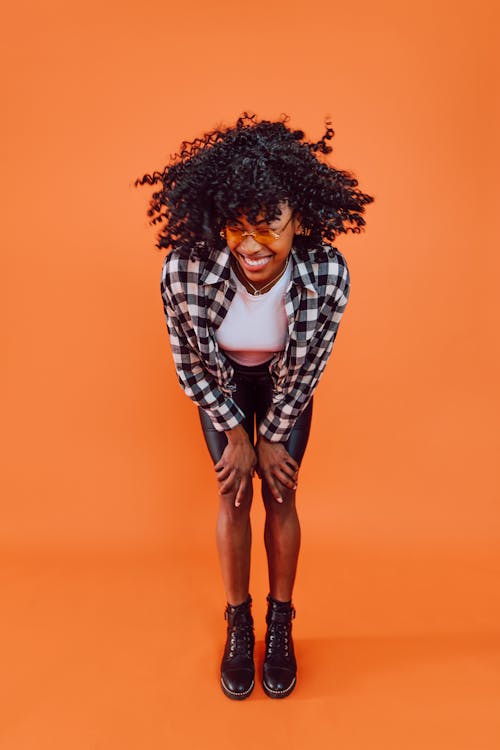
x: 218, y: 269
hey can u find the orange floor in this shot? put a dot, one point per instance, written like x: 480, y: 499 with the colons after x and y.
x: 123, y: 653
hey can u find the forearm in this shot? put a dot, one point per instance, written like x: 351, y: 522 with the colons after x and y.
x: 196, y: 382
x: 237, y: 436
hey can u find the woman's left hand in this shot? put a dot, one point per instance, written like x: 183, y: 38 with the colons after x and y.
x: 275, y: 463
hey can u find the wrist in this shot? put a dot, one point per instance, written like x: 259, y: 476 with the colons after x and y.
x: 237, y: 435
x: 264, y: 439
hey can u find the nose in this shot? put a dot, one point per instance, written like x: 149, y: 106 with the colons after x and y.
x: 249, y: 244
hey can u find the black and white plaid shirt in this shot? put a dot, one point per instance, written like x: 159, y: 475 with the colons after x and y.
x: 196, y: 297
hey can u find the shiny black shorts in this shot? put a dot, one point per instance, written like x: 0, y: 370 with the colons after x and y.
x: 253, y: 395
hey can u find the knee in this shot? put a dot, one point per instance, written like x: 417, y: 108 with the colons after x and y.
x: 234, y: 513
x: 272, y: 506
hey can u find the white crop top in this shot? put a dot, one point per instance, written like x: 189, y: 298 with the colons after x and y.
x: 255, y: 327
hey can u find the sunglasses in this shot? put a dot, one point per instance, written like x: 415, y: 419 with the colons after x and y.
x: 262, y: 236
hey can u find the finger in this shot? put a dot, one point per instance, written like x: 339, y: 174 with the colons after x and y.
x: 273, y: 487
x: 220, y: 463
x: 229, y: 484
x: 292, y: 462
x: 223, y: 473
x: 282, y: 477
x: 287, y: 470
x: 227, y: 489
x: 240, y: 494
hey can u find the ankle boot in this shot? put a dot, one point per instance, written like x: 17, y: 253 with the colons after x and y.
x: 237, y: 667
x: 280, y: 666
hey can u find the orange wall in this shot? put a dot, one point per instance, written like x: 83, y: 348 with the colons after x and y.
x: 102, y: 449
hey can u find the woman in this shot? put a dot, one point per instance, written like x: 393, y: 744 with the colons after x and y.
x: 253, y: 294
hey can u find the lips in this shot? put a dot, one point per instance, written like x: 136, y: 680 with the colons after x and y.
x: 255, y: 263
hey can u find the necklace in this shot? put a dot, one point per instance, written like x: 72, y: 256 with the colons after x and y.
x: 257, y: 292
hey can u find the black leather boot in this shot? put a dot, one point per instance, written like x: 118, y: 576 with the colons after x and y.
x: 237, y: 668
x: 280, y: 666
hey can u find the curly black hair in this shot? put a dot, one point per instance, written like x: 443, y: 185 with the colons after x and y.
x: 249, y: 169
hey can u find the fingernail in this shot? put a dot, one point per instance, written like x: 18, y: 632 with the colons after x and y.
x: 280, y: 499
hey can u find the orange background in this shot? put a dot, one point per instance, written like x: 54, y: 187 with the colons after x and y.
x: 112, y: 626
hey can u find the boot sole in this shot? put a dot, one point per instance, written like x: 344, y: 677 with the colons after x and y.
x: 236, y: 696
x: 279, y: 693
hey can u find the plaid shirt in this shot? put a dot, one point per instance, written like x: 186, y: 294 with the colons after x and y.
x: 196, y: 297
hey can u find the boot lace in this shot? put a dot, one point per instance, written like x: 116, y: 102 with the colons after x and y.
x: 240, y: 637
x: 278, y: 641
x: 240, y: 641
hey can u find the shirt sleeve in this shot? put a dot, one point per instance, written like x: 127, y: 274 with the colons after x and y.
x: 198, y: 384
x: 281, y: 416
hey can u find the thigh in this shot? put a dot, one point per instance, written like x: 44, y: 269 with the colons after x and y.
x: 297, y: 442
x: 216, y: 441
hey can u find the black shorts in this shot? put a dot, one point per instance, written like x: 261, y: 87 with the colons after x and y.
x: 253, y: 394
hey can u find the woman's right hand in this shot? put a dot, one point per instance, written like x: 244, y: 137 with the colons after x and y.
x: 237, y: 464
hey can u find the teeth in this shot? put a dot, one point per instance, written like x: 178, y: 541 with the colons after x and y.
x: 261, y: 262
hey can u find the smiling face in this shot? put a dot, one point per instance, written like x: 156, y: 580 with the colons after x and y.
x: 262, y: 258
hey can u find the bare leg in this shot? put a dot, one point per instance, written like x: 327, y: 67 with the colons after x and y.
x: 234, y: 539
x: 282, y: 540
